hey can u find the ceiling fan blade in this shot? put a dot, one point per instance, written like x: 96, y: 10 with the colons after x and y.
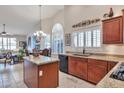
x: 9, y: 34
x: 4, y: 32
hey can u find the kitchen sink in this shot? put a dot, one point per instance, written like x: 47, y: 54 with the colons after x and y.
x: 81, y: 54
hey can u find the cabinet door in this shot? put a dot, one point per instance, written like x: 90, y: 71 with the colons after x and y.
x: 112, y: 31
x: 97, y: 69
x: 78, y: 67
x: 81, y: 68
x: 96, y: 73
x: 50, y: 75
x: 30, y: 74
x: 72, y: 65
x: 111, y: 65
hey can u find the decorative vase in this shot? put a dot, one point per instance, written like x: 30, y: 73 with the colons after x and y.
x: 111, y: 12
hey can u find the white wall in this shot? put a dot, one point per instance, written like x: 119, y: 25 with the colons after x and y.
x: 78, y: 13
x: 48, y: 24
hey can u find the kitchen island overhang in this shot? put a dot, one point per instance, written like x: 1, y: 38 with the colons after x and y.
x: 41, y: 72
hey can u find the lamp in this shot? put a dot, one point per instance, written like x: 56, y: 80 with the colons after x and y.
x: 40, y: 33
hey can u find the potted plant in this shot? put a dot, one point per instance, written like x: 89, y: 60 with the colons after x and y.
x: 21, y: 54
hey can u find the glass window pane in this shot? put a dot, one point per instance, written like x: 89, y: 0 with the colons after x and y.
x: 47, y: 41
x: 13, y: 47
x: 0, y: 47
x: 13, y: 43
x: 96, y: 38
x: 88, y: 39
x: 81, y: 39
x: 9, y: 43
x: 75, y: 37
x: 0, y: 41
x: 5, y: 43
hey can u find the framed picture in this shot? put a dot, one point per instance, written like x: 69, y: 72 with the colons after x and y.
x: 22, y: 44
x: 68, y: 39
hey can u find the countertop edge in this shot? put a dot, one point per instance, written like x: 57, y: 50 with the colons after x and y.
x: 43, y: 63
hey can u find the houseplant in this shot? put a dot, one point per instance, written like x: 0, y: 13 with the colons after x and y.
x: 21, y: 54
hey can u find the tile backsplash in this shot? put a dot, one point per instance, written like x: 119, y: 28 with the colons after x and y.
x: 106, y: 49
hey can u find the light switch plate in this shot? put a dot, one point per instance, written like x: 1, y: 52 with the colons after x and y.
x: 40, y: 73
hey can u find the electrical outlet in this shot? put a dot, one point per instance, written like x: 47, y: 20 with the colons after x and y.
x: 40, y: 73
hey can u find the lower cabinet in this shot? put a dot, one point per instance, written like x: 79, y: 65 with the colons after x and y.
x: 92, y: 70
x: 41, y: 76
x: 111, y: 65
x: 78, y: 67
x: 97, y: 69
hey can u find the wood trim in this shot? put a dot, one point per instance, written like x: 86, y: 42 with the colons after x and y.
x: 112, y: 18
x: 123, y: 24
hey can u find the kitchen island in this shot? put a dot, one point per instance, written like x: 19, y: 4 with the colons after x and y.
x: 41, y: 72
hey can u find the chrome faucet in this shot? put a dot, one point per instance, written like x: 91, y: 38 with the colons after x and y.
x: 84, y: 51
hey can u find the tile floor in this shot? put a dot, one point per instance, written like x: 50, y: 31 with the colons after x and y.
x: 12, y: 77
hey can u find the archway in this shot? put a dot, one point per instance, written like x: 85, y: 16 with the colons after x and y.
x: 57, y: 39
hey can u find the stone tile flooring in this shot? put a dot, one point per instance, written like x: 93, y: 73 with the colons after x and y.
x: 12, y: 77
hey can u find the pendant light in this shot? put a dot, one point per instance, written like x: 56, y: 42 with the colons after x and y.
x: 40, y: 18
x: 40, y: 32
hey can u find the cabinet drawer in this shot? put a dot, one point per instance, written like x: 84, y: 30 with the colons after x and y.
x: 77, y: 59
x: 94, y: 62
x: 72, y: 58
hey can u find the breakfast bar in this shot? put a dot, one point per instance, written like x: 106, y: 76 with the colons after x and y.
x: 41, y: 72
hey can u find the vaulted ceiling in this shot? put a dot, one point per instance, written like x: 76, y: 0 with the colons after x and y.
x: 21, y: 19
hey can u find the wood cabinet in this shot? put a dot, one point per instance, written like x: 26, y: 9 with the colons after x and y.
x: 92, y: 70
x: 30, y: 74
x: 41, y: 76
x: 111, y: 65
x: 113, y: 30
x: 50, y: 77
x: 72, y: 65
x: 97, y: 69
x: 78, y: 67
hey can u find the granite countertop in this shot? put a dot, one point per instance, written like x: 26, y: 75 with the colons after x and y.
x: 41, y: 60
x: 99, y: 57
x: 106, y: 82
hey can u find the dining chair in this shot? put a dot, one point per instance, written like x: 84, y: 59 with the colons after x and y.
x: 45, y: 52
x: 8, y: 58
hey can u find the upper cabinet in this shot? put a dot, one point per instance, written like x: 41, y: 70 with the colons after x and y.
x: 113, y: 30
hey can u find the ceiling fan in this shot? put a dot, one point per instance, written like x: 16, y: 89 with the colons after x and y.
x: 4, y: 33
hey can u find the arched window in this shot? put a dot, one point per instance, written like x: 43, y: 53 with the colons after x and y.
x: 57, y: 39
